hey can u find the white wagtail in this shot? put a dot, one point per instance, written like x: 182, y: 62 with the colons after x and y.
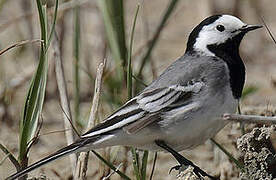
x: 184, y: 106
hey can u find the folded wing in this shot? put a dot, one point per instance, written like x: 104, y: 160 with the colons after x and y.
x: 145, y: 108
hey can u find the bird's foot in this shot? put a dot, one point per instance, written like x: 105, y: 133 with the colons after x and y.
x: 183, y: 161
x: 186, y: 172
x: 179, y: 168
x: 191, y: 170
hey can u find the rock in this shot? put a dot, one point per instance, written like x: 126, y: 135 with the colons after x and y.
x: 259, y: 156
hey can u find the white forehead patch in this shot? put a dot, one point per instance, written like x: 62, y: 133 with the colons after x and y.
x: 210, y: 35
x: 230, y: 21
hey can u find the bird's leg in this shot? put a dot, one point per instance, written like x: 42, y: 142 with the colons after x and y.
x: 183, y: 161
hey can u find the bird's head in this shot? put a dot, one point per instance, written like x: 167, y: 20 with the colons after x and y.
x: 218, y: 31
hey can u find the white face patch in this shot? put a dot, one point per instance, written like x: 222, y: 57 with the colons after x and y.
x: 209, y: 34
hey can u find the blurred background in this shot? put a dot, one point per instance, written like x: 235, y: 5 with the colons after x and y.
x: 82, y: 32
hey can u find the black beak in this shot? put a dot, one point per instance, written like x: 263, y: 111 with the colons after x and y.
x: 248, y: 28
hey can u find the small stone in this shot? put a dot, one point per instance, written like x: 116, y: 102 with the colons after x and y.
x: 258, y: 154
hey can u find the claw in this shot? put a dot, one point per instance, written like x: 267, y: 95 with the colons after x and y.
x: 184, y: 163
x: 179, y: 168
x: 198, y: 172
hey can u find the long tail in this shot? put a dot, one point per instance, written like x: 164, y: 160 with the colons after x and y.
x: 60, y: 153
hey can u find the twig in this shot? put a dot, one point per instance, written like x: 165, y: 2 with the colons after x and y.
x: 97, y: 91
x: 250, y: 118
x: 153, y: 165
x: 81, y: 167
x: 268, y: 30
x: 63, y: 97
x: 110, y: 174
x: 11, y: 157
x: 4, y: 159
x: 70, y: 121
x: 53, y: 132
x: 17, y: 44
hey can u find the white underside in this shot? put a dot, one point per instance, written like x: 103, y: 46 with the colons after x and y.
x: 179, y: 134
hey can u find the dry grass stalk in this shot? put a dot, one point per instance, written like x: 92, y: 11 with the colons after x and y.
x: 81, y: 167
x: 17, y: 44
x: 63, y: 98
x: 250, y: 118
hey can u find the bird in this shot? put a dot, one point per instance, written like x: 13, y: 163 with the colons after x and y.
x: 184, y: 106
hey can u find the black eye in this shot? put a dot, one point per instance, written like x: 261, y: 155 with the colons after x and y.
x: 220, y: 28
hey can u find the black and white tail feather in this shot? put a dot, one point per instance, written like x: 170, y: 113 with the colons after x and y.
x: 60, y: 153
x: 132, y: 117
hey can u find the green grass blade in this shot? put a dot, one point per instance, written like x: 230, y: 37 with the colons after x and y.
x: 135, y: 156
x: 238, y: 163
x: 113, y: 16
x: 152, y: 44
x: 141, y: 82
x: 144, y: 165
x: 53, y: 26
x: 29, y: 123
x: 42, y: 21
x: 76, y: 45
x: 111, y: 166
x: 129, y: 68
x: 135, y: 163
x: 36, y: 93
x: 248, y: 90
